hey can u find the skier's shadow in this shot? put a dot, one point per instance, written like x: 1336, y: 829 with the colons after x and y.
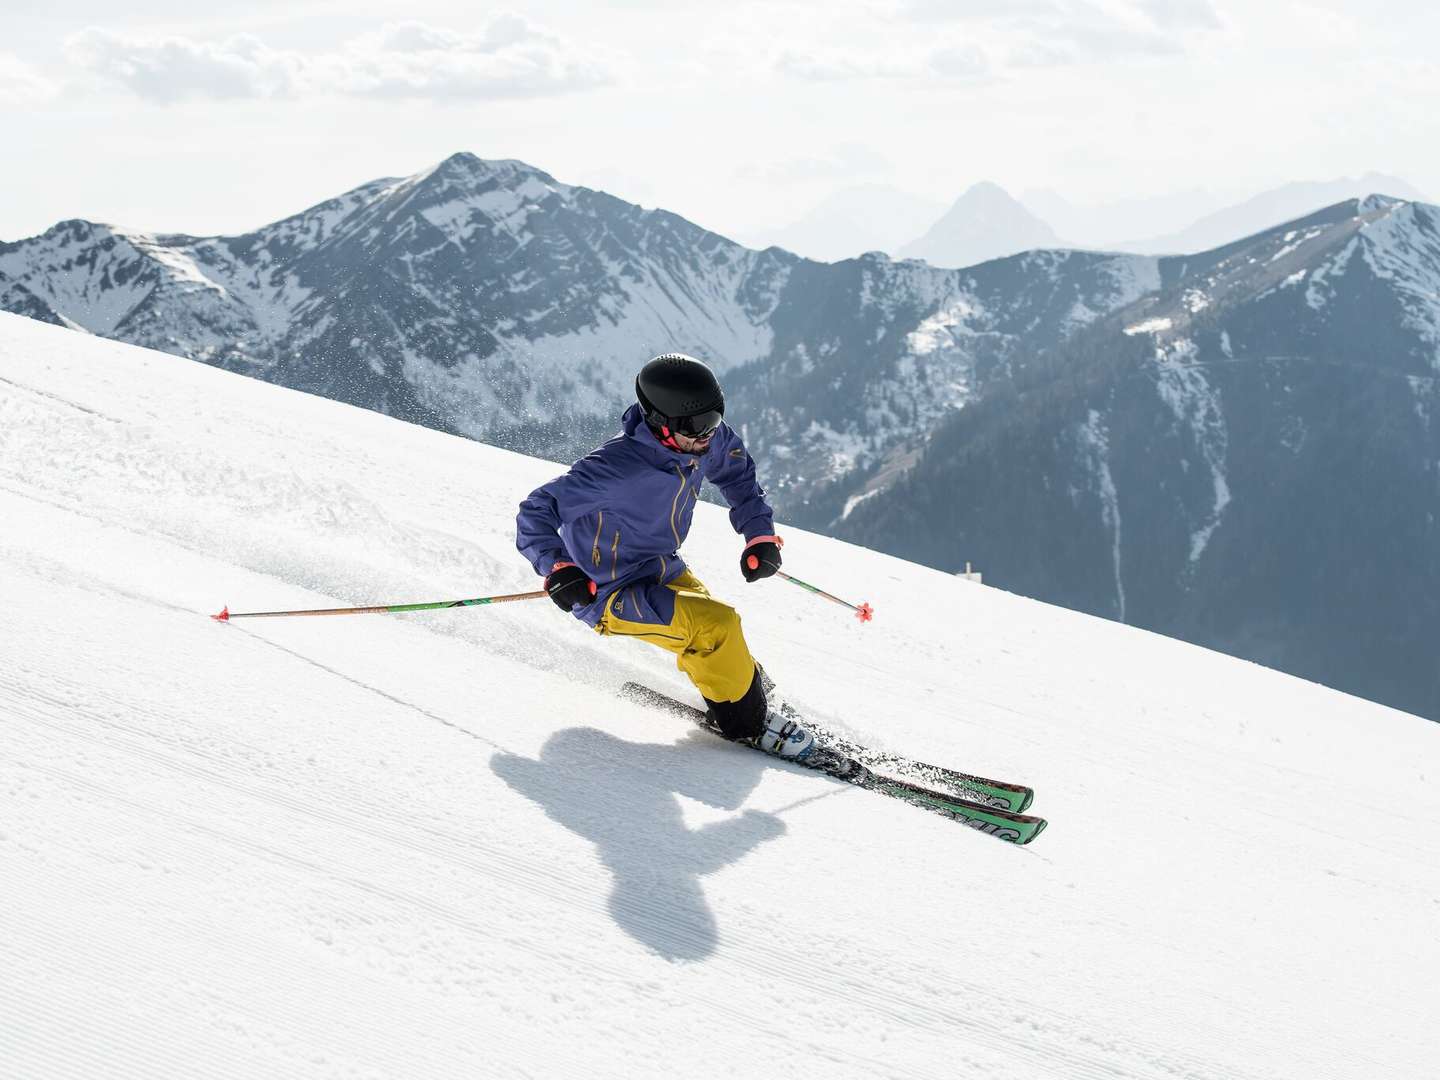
x: 621, y: 796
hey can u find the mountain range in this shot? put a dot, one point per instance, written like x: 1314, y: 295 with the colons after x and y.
x: 489, y: 299
x: 1135, y: 436
x: 1247, y: 457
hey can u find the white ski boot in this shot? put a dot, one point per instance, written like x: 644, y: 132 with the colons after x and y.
x: 785, y: 738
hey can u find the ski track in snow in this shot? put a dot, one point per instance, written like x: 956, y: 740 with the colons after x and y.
x: 438, y: 845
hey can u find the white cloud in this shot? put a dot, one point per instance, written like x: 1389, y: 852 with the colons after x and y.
x: 508, y: 58
x: 836, y: 65
x: 955, y: 10
x: 1182, y: 13
x: 178, y: 69
x: 960, y: 62
x: 21, y: 84
x: 963, y: 62
x: 1087, y: 32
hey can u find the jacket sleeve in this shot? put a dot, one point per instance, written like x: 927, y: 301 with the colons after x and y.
x: 730, y: 467
x: 567, y: 498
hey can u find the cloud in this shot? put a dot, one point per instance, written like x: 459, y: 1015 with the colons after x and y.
x: 838, y: 66
x: 21, y: 84
x: 1185, y: 14
x: 958, y: 10
x: 1087, y: 32
x: 958, y: 62
x: 508, y: 58
x: 176, y: 69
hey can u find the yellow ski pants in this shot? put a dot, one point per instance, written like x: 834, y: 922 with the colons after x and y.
x: 683, y: 618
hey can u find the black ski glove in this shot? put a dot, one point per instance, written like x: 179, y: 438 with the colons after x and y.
x: 569, y: 586
x: 761, y: 557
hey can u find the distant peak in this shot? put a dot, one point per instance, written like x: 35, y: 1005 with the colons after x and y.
x: 462, y: 158
x: 78, y: 229
x: 465, y: 168
x: 1371, y: 203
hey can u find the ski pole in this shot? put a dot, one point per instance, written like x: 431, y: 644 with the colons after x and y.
x: 864, y: 612
x: 226, y: 615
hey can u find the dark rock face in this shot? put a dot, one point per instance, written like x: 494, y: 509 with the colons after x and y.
x: 1248, y: 459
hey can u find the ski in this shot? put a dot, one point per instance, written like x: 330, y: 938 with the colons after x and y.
x: 997, y: 793
x: 1016, y: 828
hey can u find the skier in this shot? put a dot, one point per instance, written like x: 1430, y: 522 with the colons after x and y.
x: 606, y: 537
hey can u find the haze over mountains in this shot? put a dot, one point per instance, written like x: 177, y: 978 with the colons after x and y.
x: 1135, y: 436
x: 986, y: 222
x: 852, y: 221
x: 1234, y: 222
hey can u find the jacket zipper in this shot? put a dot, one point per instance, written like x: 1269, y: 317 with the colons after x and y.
x: 595, y: 544
x: 674, y: 504
x: 614, y: 553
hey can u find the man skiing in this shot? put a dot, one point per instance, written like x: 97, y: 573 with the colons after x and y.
x: 606, y: 537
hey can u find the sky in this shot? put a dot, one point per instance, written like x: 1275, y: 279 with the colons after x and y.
x: 181, y: 117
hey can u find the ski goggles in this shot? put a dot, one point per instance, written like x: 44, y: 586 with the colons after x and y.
x: 699, y: 426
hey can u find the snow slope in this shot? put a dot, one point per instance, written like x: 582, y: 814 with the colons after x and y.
x: 437, y: 845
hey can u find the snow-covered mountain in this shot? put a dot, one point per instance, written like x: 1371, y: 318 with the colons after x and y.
x: 984, y: 223
x: 489, y: 299
x: 888, y: 349
x: 474, y: 296
x: 439, y: 845
x: 1246, y: 458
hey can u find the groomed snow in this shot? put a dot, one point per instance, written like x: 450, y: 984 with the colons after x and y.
x: 438, y: 845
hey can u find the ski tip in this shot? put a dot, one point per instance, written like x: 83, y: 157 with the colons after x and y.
x: 865, y: 612
x: 224, y: 615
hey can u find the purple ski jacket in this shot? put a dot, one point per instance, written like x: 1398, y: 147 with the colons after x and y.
x: 623, y: 510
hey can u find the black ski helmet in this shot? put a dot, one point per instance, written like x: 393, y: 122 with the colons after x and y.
x: 678, y: 393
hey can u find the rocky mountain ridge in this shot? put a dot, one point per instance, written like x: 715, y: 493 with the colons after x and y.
x: 1247, y: 458
x: 489, y: 299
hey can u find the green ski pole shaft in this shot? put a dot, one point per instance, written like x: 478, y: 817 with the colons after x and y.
x: 863, y: 612
x: 382, y: 609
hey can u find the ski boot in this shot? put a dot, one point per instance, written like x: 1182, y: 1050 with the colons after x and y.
x: 784, y: 738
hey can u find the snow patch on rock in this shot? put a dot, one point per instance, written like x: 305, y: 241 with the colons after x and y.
x: 1196, y: 404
